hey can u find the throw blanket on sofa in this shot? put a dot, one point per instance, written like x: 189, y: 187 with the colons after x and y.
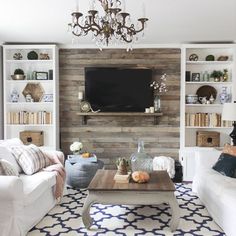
x: 164, y: 163
x: 57, y: 160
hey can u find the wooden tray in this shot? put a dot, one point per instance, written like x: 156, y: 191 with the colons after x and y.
x: 206, y: 91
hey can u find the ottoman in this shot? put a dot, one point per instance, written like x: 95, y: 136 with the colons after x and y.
x: 80, y: 174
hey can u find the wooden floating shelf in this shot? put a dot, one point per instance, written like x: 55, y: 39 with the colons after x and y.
x: 86, y: 114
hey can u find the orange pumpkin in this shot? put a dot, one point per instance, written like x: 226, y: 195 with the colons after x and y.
x: 140, y: 177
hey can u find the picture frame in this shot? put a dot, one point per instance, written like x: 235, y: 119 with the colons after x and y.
x: 47, y: 98
x: 196, y: 77
x: 41, y: 75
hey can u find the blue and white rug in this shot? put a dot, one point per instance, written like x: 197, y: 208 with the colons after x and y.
x: 113, y: 220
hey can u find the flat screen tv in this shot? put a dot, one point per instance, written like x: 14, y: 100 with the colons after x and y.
x: 118, y: 89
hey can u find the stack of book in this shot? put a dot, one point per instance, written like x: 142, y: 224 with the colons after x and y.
x: 25, y: 117
x: 122, y: 178
x: 204, y: 120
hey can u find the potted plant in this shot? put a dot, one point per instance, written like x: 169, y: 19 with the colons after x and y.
x: 217, y: 75
x: 18, y: 75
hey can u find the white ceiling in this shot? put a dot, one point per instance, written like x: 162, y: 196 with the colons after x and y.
x: 171, y: 21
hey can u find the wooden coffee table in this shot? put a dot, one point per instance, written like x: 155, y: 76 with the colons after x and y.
x: 104, y: 190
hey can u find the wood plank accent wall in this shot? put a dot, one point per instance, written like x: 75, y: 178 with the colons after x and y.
x: 113, y: 137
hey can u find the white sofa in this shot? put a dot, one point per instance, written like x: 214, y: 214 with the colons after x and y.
x: 217, y: 192
x: 26, y: 199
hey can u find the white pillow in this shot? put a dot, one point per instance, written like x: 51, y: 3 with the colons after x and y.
x: 6, y: 154
x: 30, y: 158
x: 11, y: 142
x: 6, y: 168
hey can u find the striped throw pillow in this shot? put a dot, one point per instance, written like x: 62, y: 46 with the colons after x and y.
x: 30, y: 158
x: 6, y: 168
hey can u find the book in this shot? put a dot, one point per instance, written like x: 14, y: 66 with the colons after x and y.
x: 122, y: 178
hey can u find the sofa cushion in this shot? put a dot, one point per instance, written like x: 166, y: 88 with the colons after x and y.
x: 11, y: 142
x: 30, y: 158
x: 6, y: 168
x: 6, y: 154
x: 35, y: 185
x: 226, y: 165
x: 229, y: 149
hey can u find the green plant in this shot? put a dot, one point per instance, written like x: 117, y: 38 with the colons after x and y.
x: 19, y: 72
x: 216, y: 74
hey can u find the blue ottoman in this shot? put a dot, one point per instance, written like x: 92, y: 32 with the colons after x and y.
x: 80, y: 173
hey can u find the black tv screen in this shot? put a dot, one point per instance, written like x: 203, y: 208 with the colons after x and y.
x: 118, y: 89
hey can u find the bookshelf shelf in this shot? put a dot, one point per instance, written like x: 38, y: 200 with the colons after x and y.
x: 207, y: 127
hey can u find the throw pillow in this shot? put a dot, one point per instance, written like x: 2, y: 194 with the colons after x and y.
x: 226, y: 165
x: 228, y: 149
x: 6, y: 168
x: 30, y: 158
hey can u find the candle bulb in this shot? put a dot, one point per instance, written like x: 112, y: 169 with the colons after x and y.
x: 92, y: 7
x: 124, y: 7
x: 144, y: 10
x: 77, y: 6
x: 80, y: 95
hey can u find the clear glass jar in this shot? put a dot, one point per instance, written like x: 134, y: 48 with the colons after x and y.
x: 140, y: 161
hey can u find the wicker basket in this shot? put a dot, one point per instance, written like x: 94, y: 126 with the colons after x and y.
x: 32, y: 137
x: 208, y: 139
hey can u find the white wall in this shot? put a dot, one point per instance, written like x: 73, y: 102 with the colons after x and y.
x: 1, y: 96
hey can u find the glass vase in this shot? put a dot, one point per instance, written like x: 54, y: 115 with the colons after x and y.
x: 140, y: 161
x: 157, y: 103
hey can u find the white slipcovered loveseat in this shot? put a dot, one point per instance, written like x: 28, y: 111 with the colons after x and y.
x: 216, y: 191
x: 26, y: 199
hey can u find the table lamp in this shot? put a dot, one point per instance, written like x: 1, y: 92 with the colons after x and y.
x: 229, y: 114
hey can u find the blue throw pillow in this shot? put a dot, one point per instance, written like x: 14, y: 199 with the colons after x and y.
x: 226, y: 165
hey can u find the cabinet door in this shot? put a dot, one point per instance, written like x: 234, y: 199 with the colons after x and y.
x: 188, y: 162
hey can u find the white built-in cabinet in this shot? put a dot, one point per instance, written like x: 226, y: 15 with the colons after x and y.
x: 25, y: 115
x: 188, y: 127
x: 1, y: 96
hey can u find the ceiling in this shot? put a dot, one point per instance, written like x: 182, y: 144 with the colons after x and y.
x: 171, y: 21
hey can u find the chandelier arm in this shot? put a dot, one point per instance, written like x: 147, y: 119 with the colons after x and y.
x: 125, y: 39
x: 94, y: 27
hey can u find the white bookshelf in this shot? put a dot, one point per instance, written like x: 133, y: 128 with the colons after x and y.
x: 14, y: 123
x: 188, y: 132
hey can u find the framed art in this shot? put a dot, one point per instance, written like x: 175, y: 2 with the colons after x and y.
x: 41, y: 75
x: 47, y: 98
x: 196, y: 77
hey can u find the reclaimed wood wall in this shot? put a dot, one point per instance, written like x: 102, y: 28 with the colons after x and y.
x: 113, y: 137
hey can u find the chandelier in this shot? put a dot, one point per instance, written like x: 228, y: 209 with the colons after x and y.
x: 112, y: 27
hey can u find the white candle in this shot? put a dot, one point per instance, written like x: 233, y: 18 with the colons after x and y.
x: 124, y: 7
x: 80, y: 95
x: 77, y: 6
x: 92, y: 7
x: 144, y: 10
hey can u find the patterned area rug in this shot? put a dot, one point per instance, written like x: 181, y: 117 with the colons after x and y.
x: 65, y: 219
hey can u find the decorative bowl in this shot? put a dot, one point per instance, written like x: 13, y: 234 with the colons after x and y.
x: 18, y: 77
x: 191, y: 99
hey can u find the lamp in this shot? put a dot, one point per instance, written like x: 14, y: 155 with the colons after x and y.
x: 113, y: 25
x: 229, y: 114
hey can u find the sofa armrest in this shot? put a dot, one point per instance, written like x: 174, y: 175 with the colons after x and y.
x: 11, y: 188
x: 205, y: 159
x: 55, y: 155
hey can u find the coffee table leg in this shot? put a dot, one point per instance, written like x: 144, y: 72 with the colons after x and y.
x: 174, y: 222
x: 87, y: 219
